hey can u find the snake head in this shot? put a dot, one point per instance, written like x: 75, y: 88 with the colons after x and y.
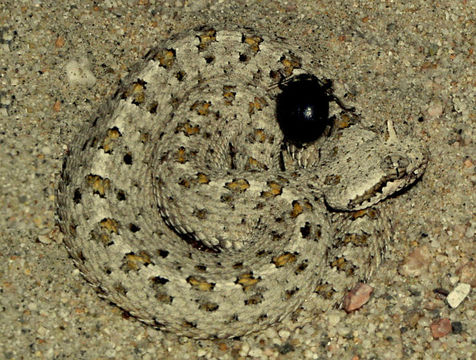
x: 360, y: 168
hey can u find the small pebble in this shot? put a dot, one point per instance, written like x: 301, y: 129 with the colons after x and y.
x: 467, y: 273
x: 255, y: 352
x: 286, y: 348
x: 456, y: 327
x: 416, y: 262
x: 440, y: 328
x: 78, y: 72
x: 334, y: 318
x: 245, y: 348
x: 458, y: 294
x: 454, y: 280
x: 42, y: 331
x: 284, y: 334
x: 435, y: 110
x: 357, y: 297
x: 201, y: 352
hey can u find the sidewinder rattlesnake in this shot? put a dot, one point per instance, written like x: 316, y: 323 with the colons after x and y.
x: 181, y: 205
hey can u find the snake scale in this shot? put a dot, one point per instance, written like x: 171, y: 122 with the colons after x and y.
x: 181, y: 204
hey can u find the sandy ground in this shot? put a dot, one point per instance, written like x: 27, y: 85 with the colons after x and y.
x: 411, y: 62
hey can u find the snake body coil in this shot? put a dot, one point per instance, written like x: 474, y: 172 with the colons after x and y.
x: 177, y: 204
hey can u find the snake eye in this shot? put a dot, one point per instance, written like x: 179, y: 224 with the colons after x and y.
x: 395, y: 165
x: 302, y: 108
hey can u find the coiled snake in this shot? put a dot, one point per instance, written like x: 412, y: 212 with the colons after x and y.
x: 181, y: 205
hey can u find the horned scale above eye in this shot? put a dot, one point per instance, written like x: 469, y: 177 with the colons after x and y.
x: 180, y: 205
